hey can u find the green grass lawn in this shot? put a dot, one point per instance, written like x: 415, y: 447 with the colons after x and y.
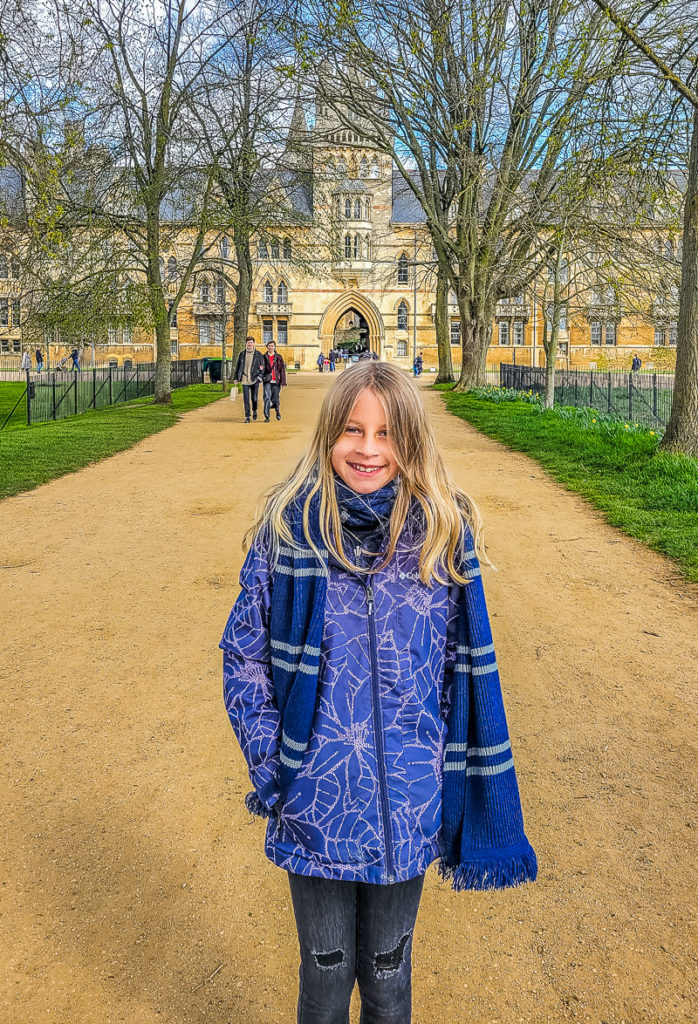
x: 10, y: 391
x: 650, y: 495
x: 30, y: 456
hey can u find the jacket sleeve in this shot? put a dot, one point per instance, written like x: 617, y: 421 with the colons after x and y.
x: 247, y: 680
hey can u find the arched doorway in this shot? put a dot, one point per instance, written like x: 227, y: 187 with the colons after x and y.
x: 352, y: 333
x: 366, y: 318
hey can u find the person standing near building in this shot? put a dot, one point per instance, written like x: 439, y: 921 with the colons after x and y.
x: 637, y: 363
x: 249, y: 371
x: 274, y: 378
x: 74, y: 355
x: 26, y: 361
x: 320, y: 361
x: 39, y: 360
x: 333, y: 359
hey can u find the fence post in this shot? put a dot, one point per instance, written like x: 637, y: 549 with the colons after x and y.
x: 94, y: 388
x: 53, y: 395
x: 591, y: 387
x: 576, y: 379
x: 654, y: 394
x: 630, y: 396
x: 110, y: 397
x: 138, y: 390
x: 29, y: 401
x: 610, y: 392
x: 75, y: 382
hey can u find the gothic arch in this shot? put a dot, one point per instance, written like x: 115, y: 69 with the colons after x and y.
x: 342, y: 304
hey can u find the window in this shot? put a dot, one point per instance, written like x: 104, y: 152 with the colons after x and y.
x: 518, y: 332
x: 112, y: 335
x: 357, y: 248
x: 347, y: 208
x: 14, y: 268
x: 659, y: 336
x: 611, y: 295
x: 267, y: 331
x: 503, y: 332
x: 402, y: 348
x: 363, y: 168
x: 268, y: 292
x: 282, y: 332
x: 204, y: 332
x: 218, y: 330
x: 126, y: 336
x: 3, y: 265
x: 173, y: 347
x: 402, y: 271
x: 275, y: 248
x: 225, y: 247
x: 172, y: 269
x: 357, y: 209
x: 4, y: 307
x: 673, y: 333
x: 563, y: 348
x: 347, y: 247
x: 282, y: 292
x: 16, y: 312
x: 402, y: 317
x: 16, y: 345
x: 374, y: 169
x: 595, y: 332
x: 287, y: 249
x: 341, y: 166
x: 204, y: 292
x: 220, y: 291
x: 610, y: 334
x: 263, y: 251
x: 455, y: 332
x: 367, y: 210
x: 161, y: 265
x: 563, y: 317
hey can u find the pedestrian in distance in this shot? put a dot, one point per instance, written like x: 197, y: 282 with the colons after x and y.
x: 320, y: 361
x: 637, y: 363
x: 418, y: 364
x: 362, y: 685
x: 39, y: 360
x: 333, y: 359
x: 74, y: 355
x: 249, y: 371
x: 274, y: 379
x: 26, y: 363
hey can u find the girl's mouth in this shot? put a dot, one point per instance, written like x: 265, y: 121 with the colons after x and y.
x: 365, y: 470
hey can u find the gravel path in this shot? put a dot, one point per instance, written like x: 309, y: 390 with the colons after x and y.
x: 134, y: 886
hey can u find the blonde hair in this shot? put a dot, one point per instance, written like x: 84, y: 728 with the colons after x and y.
x: 422, y: 475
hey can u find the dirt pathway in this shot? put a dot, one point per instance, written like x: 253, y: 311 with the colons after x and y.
x: 134, y: 886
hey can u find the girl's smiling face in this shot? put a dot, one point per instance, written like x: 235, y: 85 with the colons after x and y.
x: 363, y: 456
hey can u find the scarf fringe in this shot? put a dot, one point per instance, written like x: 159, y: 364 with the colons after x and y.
x: 255, y: 806
x: 494, y: 873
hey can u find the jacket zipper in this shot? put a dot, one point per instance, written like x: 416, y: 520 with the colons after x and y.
x: 378, y: 729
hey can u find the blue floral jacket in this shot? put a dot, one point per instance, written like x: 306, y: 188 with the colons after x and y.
x: 366, y: 803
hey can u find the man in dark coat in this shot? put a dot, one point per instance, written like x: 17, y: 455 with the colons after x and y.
x: 274, y: 380
x: 249, y: 370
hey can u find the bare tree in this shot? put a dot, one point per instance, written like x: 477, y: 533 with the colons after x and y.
x: 667, y: 38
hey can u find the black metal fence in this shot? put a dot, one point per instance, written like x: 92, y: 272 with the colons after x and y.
x: 641, y: 397
x: 54, y: 395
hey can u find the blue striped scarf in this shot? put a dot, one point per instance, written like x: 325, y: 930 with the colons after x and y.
x: 484, y: 842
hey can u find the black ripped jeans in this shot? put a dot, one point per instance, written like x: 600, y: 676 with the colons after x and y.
x: 355, y: 931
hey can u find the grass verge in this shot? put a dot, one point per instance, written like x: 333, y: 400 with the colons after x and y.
x: 648, y: 494
x: 30, y: 456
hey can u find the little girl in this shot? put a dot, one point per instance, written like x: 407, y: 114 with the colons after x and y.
x: 361, y: 682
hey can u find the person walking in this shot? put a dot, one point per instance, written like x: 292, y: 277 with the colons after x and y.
x: 249, y: 371
x: 361, y: 683
x: 39, y: 360
x: 320, y: 361
x: 333, y: 359
x: 418, y: 364
x: 637, y: 363
x: 274, y: 377
x: 26, y: 363
x: 74, y: 355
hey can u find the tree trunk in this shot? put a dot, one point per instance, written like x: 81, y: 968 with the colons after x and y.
x: 443, y: 330
x: 243, y: 295
x: 476, y: 335
x: 681, y: 434
x: 163, y: 393
x: 550, y: 357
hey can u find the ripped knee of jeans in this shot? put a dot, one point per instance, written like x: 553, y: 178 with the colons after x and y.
x: 388, y: 963
x: 329, y: 961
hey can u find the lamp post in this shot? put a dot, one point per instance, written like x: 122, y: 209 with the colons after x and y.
x: 414, y: 300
